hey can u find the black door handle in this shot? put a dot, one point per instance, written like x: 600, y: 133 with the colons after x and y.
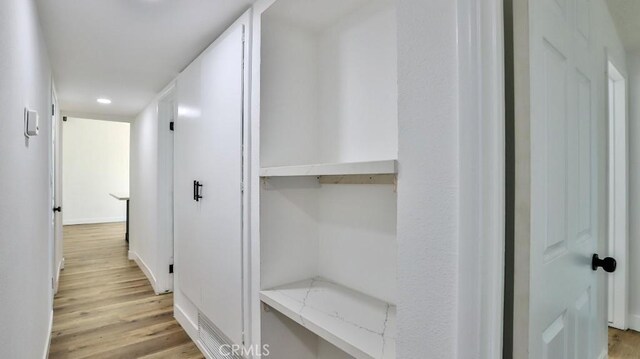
x: 57, y: 209
x: 196, y: 191
x: 608, y: 264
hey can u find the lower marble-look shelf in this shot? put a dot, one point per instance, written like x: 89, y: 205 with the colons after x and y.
x: 360, y: 325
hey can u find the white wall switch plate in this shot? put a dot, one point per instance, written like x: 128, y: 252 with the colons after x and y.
x: 31, y: 127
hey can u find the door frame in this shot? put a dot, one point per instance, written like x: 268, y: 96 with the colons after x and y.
x: 55, y: 175
x: 474, y: 315
x: 617, y: 191
x: 482, y: 165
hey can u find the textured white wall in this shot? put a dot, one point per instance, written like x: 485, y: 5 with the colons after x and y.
x: 96, y: 163
x: 428, y: 179
x: 25, y: 196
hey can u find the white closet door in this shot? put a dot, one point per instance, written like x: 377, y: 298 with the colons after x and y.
x: 188, y: 166
x: 208, y: 149
x: 222, y: 115
x: 565, y: 295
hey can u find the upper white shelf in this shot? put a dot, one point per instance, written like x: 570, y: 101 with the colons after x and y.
x: 333, y: 169
x: 360, y: 325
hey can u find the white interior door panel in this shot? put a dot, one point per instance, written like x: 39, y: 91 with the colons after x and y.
x: 564, y: 293
x: 222, y: 114
x: 209, y: 150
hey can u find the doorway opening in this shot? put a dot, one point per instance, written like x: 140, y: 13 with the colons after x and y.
x: 617, y: 218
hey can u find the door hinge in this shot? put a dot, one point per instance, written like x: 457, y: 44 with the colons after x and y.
x: 170, y: 268
x: 242, y: 187
x: 53, y: 110
x: 171, y: 126
x: 52, y: 285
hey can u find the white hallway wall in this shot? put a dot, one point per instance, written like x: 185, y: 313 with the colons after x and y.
x: 95, y: 163
x: 150, y: 205
x: 25, y: 197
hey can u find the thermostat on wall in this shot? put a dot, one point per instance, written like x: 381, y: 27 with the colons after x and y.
x: 30, y: 123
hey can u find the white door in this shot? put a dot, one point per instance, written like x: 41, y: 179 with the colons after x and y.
x: 208, y: 217
x: 189, y: 140
x: 560, y: 302
x: 222, y: 112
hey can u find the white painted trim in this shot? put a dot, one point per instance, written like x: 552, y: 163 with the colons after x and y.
x: 187, y: 324
x: 71, y: 222
x: 633, y: 322
x: 45, y: 355
x: 247, y: 297
x: 145, y: 269
x: 482, y: 178
x: 253, y: 145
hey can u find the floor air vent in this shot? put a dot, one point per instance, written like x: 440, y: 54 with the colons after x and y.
x: 213, y: 340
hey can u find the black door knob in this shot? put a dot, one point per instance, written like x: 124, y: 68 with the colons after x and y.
x: 57, y: 209
x: 608, y: 264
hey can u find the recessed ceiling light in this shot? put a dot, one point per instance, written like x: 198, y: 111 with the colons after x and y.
x: 104, y: 101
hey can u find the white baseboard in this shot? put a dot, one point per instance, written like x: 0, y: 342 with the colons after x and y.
x: 634, y: 322
x: 191, y: 328
x: 604, y: 354
x: 45, y: 355
x: 187, y: 324
x: 57, y: 281
x: 145, y: 269
x: 74, y: 221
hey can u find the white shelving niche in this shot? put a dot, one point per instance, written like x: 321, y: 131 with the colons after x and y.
x: 328, y: 148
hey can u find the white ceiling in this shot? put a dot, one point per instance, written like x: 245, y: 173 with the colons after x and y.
x: 126, y: 50
x: 626, y: 15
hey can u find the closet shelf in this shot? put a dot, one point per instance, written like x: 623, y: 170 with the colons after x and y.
x: 333, y: 169
x: 362, y: 326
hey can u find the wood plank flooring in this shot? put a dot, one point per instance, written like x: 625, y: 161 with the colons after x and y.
x: 106, y: 308
x: 624, y: 344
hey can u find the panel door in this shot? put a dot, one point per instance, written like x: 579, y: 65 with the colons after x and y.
x: 564, y: 293
x: 189, y: 139
x: 222, y: 115
x: 208, y: 149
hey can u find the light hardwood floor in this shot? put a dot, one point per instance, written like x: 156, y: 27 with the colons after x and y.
x: 106, y: 308
x: 624, y: 344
